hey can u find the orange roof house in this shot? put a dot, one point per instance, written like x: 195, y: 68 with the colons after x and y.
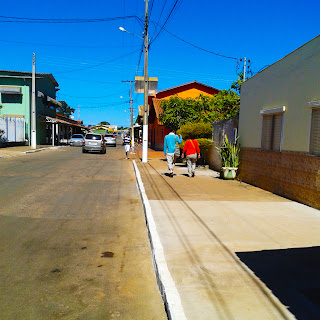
x: 157, y: 131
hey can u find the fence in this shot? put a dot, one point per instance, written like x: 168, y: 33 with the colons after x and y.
x: 13, y: 129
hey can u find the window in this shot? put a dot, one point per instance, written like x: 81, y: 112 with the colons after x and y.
x: 11, y: 98
x: 315, y: 128
x: 92, y: 136
x: 272, y: 123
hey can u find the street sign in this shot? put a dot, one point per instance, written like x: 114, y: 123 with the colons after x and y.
x: 139, y: 85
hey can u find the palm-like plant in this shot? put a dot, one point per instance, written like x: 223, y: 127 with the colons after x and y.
x: 229, y: 153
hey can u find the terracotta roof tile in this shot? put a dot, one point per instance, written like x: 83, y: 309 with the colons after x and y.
x: 157, y: 108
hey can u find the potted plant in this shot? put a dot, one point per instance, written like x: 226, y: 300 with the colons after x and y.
x: 229, y: 155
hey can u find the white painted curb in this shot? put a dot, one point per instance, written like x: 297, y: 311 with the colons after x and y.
x: 168, y: 290
x: 42, y: 149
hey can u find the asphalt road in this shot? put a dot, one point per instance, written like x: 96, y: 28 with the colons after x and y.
x: 73, y: 241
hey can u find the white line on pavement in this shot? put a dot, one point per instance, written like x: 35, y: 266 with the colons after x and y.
x: 166, y: 284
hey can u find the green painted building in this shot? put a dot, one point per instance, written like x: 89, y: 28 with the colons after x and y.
x: 15, y: 99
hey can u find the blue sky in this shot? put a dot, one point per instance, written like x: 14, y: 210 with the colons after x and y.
x: 89, y: 60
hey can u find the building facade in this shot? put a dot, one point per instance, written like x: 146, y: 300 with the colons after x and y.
x: 157, y: 131
x: 15, y: 99
x: 279, y: 126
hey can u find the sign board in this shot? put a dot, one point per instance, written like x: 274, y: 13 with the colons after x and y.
x: 139, y: 85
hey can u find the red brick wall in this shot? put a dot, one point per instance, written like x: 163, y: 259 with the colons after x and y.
x: 294, y: 175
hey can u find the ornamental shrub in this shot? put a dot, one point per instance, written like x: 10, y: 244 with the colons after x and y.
x: 200, y: 130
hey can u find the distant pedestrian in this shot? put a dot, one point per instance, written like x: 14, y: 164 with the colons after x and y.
x: 127, y: 143
x: 192, y: 152
x: 170, y: 149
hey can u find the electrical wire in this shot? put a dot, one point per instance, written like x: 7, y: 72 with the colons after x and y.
x: 110, y: 95
x: 85, y: 80
x: 151, y: 7
x: 64, y: 45
x: 76, y: 20
x: 99, y: 64
x: 103, y: 106
x: 195, y: 46
x: 141, y: 51
x: 165, y: 2
x: 166, y: 21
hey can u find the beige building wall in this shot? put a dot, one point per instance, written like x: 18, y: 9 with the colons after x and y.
x: 291, y: 82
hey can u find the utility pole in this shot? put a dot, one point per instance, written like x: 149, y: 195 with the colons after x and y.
x: 131, y: 110
x: 33, y: 106
x: 145, y: 105
x: 244, y: 68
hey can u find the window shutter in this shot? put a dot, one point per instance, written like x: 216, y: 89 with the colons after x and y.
x: 315, y: 132
x: 266, y: 138
x: 277, y: 128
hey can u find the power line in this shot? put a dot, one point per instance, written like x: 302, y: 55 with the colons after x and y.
x: 76, y: 20
x: 165, y: 2
x: 110, y: 95
x: 99, y: 64
x: 85, y: 80
x: 168, y: 17
x: 141, y: 51
x: 193, y: 45
x: 64, y: 45
x: 105, y: 106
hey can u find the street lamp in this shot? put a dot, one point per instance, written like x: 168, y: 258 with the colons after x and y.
x: 124, y: 30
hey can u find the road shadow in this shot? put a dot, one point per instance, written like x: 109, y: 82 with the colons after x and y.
x: 293, y: 275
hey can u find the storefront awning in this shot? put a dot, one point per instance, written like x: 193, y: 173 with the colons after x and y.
x: 52, y: 120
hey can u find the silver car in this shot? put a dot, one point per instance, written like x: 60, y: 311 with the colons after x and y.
x: 110, y: 139
x: 93, y: 142
x: 76, y: 140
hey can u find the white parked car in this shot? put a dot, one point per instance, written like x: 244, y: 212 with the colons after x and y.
x: 76, y: 140
x: 110, y: 139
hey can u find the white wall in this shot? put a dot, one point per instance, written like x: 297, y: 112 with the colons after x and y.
x: 291, y: 82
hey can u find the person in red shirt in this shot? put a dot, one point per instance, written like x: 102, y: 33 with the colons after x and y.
x: 192, y: 152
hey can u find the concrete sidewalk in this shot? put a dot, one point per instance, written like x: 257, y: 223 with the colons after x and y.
x: 13, y: 152
x: 205, y: 223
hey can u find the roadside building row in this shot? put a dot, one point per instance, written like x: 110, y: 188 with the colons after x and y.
x: 15, y: 112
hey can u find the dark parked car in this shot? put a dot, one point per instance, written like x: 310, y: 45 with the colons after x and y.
x: 76, y: 139
x: 93, y: 142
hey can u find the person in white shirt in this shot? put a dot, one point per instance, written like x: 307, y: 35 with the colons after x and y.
x: 127, y: 143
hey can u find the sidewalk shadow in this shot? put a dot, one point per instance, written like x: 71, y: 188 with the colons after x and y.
x: 292, y: 275
x: 167, y: 174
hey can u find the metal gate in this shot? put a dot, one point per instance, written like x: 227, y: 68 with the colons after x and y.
x: 13, y: 129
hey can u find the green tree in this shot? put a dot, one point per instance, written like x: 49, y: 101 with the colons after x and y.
x: 65, y: 109
x: 199, y: 129
x: 105, y: 123
x: 224, y: 105
x: 236, y: 85
x: 178, y: 111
